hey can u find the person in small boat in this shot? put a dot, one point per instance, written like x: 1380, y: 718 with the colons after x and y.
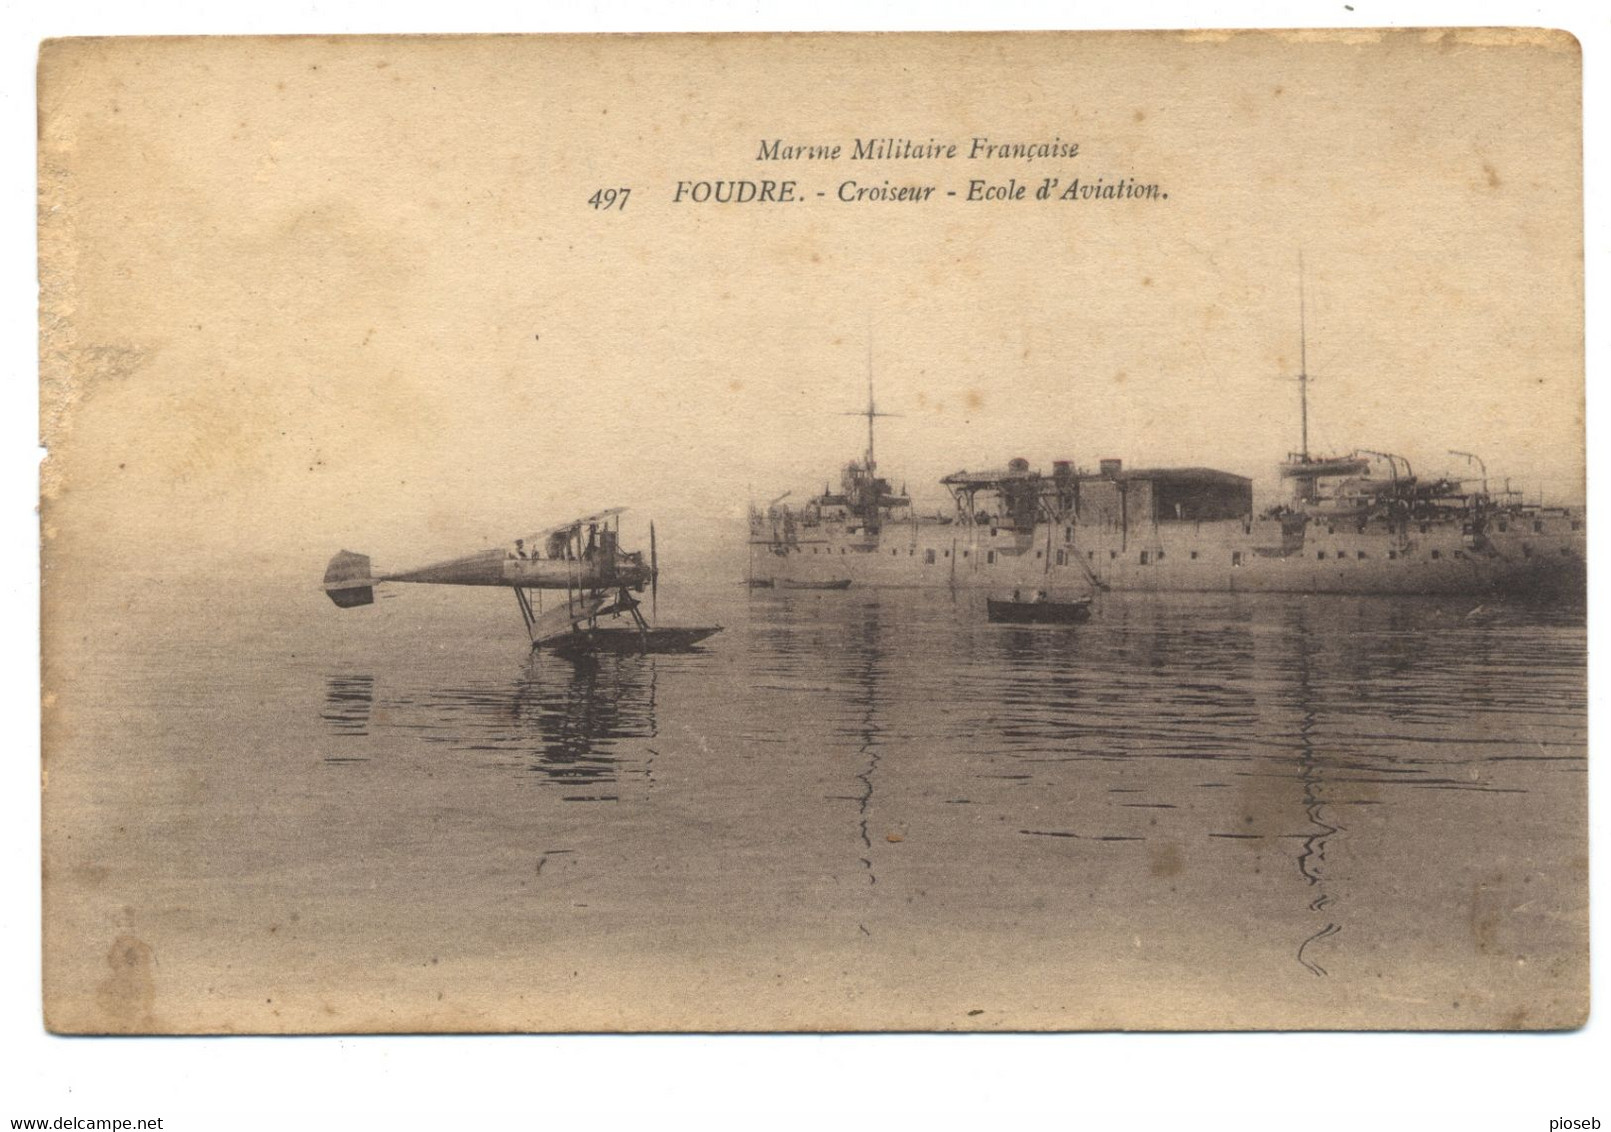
x: 1040, y: 595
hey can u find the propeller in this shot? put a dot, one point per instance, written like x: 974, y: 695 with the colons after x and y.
x: 654, y: 575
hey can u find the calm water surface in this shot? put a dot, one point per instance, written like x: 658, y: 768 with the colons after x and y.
x: 855, y: 809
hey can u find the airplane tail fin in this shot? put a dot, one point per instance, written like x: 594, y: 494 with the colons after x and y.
x: 347, y: 580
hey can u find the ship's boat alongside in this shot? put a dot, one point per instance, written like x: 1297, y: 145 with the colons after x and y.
x: 1038, y: 610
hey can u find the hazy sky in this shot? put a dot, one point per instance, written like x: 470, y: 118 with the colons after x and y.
x: 311, y: 294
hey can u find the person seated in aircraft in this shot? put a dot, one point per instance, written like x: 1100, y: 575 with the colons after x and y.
x: 520, y: 548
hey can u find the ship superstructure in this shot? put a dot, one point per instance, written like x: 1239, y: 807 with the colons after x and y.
x: 1174, y: 529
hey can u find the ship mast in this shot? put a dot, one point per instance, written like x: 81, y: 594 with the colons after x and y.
x: 871, y: 411
x: 872, y: 408
x: 1303, y: 362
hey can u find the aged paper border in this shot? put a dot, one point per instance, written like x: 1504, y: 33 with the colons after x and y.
x: 1192, y: 1064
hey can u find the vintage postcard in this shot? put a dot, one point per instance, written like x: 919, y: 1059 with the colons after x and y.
x: 826, y: 532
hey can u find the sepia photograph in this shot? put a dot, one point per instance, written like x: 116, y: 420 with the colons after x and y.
x: 1188, y: 634
x: 965, y: 532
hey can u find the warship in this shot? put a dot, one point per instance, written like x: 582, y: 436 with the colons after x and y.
x: 1360, y: 522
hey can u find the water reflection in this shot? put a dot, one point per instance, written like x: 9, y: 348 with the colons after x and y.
x: 1166, y: 727
x: 864, y: 721
x: 348, y: 700
x: 562, y: 723
x: 1192, y: 766
x: 1312, y: 854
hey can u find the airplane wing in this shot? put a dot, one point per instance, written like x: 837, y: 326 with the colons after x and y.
x: 574, y: 524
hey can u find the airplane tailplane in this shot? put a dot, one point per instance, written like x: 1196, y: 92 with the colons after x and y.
x: 347, y: 580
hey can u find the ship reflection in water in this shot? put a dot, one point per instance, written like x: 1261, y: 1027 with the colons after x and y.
x: 1273, y: 764
x: 1295, y: 792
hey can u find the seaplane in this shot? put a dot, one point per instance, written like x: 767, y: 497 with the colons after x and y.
x: 582, y: 557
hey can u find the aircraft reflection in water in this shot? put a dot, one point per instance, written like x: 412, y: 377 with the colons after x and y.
x: 561, y: 724
x: 598, y: 579
x: 348, y: 701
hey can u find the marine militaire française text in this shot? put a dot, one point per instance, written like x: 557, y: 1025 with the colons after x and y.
x: 1007, y: 173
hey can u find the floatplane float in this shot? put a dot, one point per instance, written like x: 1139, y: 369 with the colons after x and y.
x: 583, y: 558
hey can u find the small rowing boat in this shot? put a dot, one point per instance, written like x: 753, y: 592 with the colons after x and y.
x: 1038, y: 611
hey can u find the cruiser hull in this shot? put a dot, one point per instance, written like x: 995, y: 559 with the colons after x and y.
x: 1535, y: 556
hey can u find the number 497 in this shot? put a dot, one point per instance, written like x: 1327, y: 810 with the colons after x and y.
x: 606, y: 199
